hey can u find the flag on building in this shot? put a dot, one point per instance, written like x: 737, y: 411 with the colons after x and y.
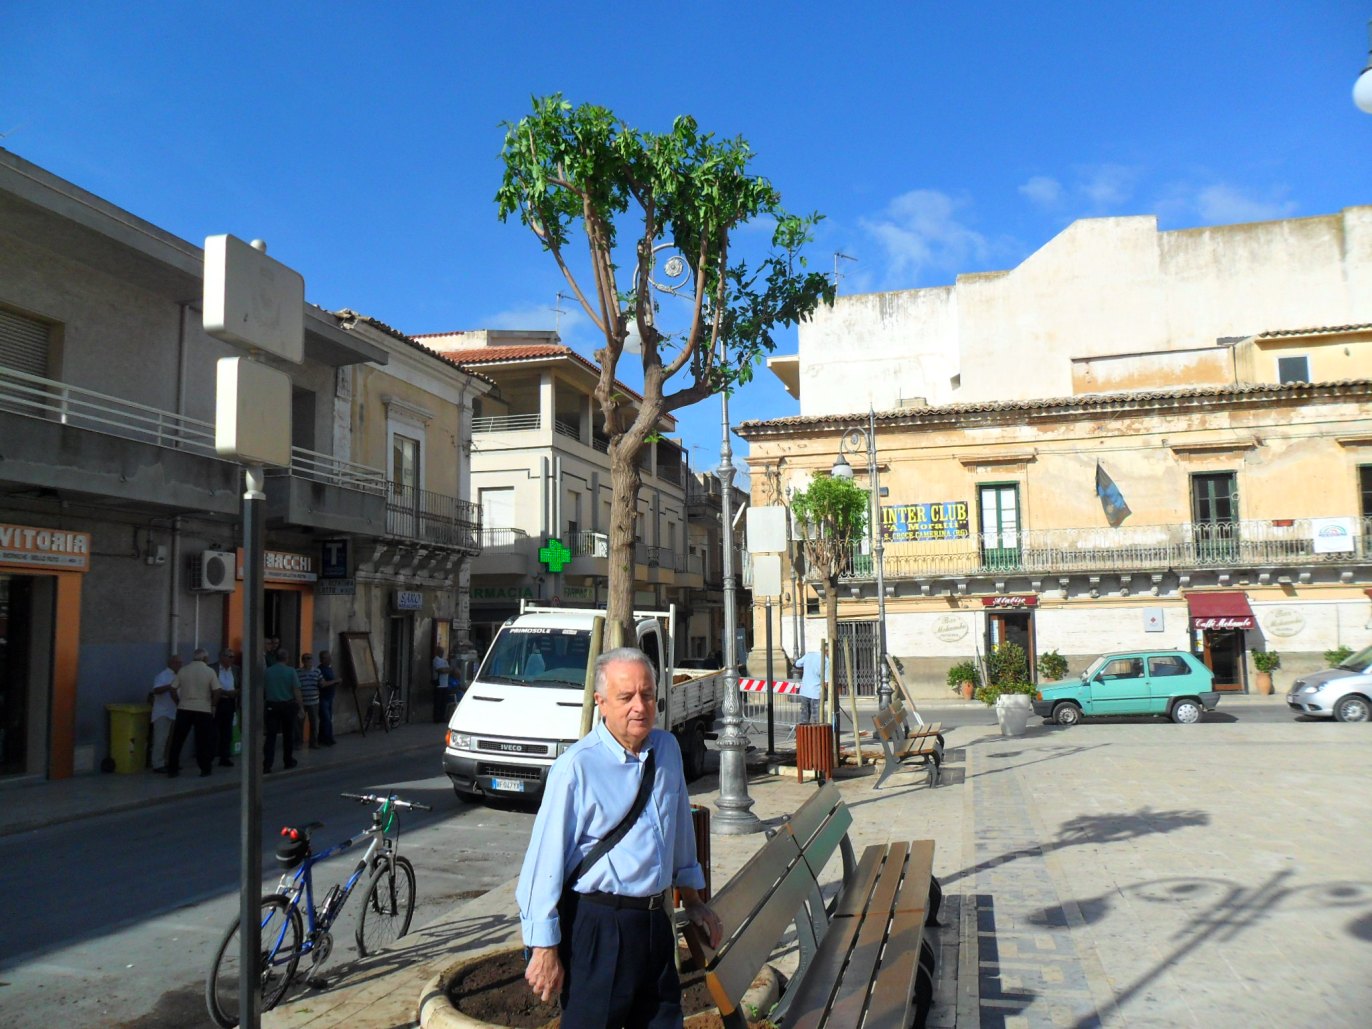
x: 1116, y: 510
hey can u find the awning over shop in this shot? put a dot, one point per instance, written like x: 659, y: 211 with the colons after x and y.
x: 1227, y: 610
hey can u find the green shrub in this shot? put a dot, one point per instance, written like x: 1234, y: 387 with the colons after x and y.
x: 963, y: 671
x: 1052, y: 666
x: 1337, y: 656
x: 1266, y: 660
x: 1008, y: 663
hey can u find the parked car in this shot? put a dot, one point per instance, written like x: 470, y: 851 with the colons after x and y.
x: 1343, y: 692
x: 1136, y: 682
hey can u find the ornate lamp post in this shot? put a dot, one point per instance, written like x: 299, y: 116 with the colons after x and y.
x: 735, y: 816
x: 853, y: 441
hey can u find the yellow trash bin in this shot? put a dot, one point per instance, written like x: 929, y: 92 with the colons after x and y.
x: 129, y: 736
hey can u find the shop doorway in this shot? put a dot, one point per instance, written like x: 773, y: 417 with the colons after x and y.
x: 399, y: 655
x: 281, y: 619
x: 1222, y: 652
x: 27, y: 625
x: 1012, y: 627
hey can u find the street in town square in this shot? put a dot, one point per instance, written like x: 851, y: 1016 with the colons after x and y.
x: 1119, y: 872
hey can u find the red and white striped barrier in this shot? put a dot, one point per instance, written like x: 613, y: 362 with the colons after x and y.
x: 760, y: 686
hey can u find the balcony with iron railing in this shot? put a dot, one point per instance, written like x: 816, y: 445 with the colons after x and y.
x: 183, y: 469
x: 504, y: 551
x: 1254, y: 544
x: 423, y: 516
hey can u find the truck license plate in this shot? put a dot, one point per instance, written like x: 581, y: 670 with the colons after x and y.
x: 512, y: 785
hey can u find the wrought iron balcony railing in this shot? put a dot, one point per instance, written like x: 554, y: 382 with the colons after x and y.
x: 428, y: 517
x: 496, y: 539
x: 506, y: 423
x: 1185, y: 545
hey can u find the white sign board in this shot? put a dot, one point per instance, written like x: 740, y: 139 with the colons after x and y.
x: 253, y: 300
x: 767, y: 575
x: 1333, y: 535
x: 252, y: 413
x: 767, y: 530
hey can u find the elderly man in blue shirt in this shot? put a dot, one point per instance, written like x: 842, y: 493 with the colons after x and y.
x: 814, y: 670
x: 611, y: 956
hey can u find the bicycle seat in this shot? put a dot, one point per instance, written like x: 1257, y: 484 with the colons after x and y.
x: 295, y: 844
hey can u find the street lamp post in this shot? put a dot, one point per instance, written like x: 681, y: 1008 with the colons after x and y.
x: 853, y: 441
x: 735, y: 817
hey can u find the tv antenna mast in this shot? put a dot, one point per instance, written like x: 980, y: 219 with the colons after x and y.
x: 558, y: 312
x: 840, y: 257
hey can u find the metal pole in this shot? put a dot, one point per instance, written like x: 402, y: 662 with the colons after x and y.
x: 735, y: 816
x: 771, y: 733
x: 250, y: 806
x: 874, y: 530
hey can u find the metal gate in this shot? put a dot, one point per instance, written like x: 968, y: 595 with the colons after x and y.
x: 862, y: 637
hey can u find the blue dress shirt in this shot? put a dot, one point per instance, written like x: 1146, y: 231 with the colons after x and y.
x: 812, y: 677
x: 590, y: 788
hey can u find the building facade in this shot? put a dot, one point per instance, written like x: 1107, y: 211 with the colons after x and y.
x: 120, y: 526
x: 1211, y: 493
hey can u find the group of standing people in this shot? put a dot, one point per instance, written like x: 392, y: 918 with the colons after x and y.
x: 203, y: 701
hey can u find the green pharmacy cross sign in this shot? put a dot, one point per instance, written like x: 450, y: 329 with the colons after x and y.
x: 554, y: 556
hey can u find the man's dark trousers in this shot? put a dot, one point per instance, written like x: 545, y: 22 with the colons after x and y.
x: 279, y: 717
x: 621, y: 969
x: 202, y: 722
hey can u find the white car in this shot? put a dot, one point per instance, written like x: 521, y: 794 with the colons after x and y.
x: 1343, y: 692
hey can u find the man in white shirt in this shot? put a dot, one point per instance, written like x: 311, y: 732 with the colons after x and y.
x: 163, y: 711
x: 225, y: 707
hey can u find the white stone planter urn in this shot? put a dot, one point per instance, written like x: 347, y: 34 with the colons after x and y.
x: 1012, y: 713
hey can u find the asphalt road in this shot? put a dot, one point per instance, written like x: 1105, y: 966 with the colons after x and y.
x: 118, y: 916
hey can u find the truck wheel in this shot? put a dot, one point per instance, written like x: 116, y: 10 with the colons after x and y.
x: 693, y: 751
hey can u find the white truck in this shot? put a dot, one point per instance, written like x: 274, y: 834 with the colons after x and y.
x: 527, y: 702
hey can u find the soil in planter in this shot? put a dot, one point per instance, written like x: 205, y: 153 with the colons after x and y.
x: 494, y: 991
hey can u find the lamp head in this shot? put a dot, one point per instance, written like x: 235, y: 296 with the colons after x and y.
x: 1362, y: 89
x: 842, y: 469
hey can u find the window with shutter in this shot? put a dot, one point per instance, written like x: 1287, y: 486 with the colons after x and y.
x: 24, y: 343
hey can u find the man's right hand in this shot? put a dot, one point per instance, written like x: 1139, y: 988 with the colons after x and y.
x: 544, y: 974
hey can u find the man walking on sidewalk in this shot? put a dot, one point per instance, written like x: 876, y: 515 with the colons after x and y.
x: 281, y: 692
x: 814, y: 668
x: 163, y: 712
x: 226, y: 707
x: 198, y: 688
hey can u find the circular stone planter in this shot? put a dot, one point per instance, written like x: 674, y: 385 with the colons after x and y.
x: 437, y: 1011
x: 1012, y: 712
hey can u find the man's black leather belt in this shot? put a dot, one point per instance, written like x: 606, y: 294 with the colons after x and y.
x: 614, y: 900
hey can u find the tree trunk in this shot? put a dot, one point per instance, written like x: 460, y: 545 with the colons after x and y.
x: 625, y: 483
x: 831, y: 629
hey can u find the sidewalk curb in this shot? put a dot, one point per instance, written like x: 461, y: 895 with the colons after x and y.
x: 223, y: 785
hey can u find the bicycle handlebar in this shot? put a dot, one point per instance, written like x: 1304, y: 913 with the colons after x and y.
x: 372, y: 798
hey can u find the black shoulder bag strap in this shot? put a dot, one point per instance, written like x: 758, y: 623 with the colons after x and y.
x: 645, y: 787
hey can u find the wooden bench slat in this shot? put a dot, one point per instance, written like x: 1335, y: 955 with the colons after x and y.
x: 739, y: 961
x: 821, y: 846
x: 813, y: 813
x: 742, y: 895
x: 856, y: 890
x: 893, y: 993
x: 851, y: 996
x: 920, y: 870
x: 816, y: 989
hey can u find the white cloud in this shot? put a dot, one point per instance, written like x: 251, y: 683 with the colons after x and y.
x: 1107, y: 185
x: 1043, y: 191
x: 920, y: 231
x: 1222, y: 204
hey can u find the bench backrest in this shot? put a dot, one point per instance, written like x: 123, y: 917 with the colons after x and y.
x: 887, y: 727
x: 769, y: 893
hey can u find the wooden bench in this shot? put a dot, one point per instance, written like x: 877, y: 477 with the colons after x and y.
x: 920, y: 728
x: 899, y: 745
x: 863, y: 957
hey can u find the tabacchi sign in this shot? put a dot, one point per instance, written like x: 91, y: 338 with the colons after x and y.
x: 36, y: 547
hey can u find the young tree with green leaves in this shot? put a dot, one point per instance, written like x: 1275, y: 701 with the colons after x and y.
x: 833, y: 518
x: 635, y: 198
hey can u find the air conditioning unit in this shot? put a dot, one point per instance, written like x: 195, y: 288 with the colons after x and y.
x: 213, y: 571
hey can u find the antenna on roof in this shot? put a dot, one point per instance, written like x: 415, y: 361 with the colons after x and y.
x: 557, y: 309
x: 837, y: 257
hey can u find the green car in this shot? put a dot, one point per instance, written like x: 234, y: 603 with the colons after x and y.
x: 1138, y: 682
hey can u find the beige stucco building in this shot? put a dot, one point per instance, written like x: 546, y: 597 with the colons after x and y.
x: 1186, y: 369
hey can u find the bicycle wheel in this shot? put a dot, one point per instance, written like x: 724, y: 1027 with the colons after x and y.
x: 370, y: 717
x: 395, y: 712
x: 387, y: 906
x: 280, y: 953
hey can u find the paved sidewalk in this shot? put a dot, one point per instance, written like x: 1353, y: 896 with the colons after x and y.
x: 33, y: 805
x: 1129, y: 873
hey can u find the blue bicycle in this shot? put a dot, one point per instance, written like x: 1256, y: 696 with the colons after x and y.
x: 287, y: 936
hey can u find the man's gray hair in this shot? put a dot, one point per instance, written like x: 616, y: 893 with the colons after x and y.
x: 201, y: 654
x: 621, y: 654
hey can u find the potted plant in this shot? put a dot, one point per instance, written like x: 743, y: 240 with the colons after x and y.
x: 1052, y: 667
x: 1009, y: 689
x: 1266, y: 662
x: 963, y: 678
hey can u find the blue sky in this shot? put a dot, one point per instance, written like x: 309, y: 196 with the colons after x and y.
x: 362, y: 140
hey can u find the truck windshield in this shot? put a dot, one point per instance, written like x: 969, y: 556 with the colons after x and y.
x: 536, y: 656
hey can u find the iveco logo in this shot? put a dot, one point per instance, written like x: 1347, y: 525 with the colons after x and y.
x: 514, y: 747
